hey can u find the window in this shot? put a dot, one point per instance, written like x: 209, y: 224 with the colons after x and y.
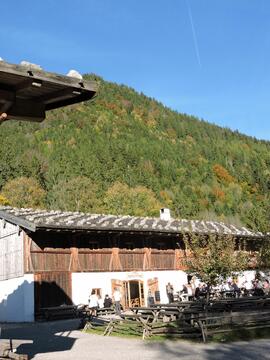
x: 97, y: 291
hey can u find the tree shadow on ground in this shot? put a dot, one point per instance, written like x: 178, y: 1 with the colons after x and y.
x: 259, y: 349
x: 35, y: 338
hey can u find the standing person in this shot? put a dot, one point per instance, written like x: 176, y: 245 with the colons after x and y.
x: 93, y: 303
x: 117, y: 299
x: 150, y: 298
x: 169, y: 291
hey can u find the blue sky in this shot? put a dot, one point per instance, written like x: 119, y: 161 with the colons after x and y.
x: 208, y: 58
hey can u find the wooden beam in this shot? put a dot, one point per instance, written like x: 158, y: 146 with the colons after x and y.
x: 27, y: 110
x: 147, y: 259
x: 27, y: 84
x: 28, y: 264
x: 74, y: 259
x: 58, y: 95
x: 7, y: 95
x: 5, y: 107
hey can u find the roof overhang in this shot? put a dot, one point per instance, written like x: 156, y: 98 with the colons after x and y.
x: 26, y: 93
x: 75, y: 222
x: 18, y: 221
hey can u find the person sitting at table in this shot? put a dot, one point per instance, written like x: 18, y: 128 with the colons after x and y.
x: 229, y: 289
x: 184, y: 289
x: 257, y: 288
x: 235, y: 288
x: 107, y: 301
x: 198, y: 292
x: 183, y: 293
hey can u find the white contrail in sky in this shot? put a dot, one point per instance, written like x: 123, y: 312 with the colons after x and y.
x: 194, y: 34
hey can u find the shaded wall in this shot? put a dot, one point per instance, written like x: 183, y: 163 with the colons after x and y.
x: 17, y: 299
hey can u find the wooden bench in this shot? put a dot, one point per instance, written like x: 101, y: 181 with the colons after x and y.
x: 58, y: 312
x: 105, y: 311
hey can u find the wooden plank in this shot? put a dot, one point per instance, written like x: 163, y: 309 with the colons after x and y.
x: 11, y: 251
x: 52, y: 289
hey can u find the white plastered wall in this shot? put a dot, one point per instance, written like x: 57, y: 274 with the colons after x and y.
x: 17, y: 299
x: 82, y: 283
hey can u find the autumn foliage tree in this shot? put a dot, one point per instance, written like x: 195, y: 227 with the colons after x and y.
x: 76, y: 194
x: 24, y: 192
x: 213, y: 258
x: 120, y: 199
x: 264, y: 253
x: 3, y: 201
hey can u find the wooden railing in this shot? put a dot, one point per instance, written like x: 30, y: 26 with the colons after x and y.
x: 113, y: 259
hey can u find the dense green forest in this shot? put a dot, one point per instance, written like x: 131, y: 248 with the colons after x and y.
x: 125, y: 153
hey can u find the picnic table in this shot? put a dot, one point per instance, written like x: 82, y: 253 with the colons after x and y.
x: 162, y: 311
x: 146, y: 312
x: 144, y: 322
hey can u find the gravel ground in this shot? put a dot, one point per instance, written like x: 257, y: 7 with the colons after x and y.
x: 60, y: 340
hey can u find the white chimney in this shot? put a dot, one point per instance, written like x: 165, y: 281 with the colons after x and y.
x: 165, y: 214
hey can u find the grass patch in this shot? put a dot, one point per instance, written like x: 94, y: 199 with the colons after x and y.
x: 243, y: 334
x: 133, y: 330
x: 122, y: 330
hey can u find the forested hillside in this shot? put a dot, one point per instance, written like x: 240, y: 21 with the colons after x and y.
x: 124, y: 153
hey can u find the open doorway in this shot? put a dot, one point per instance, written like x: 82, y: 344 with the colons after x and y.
x: 136, y: 293
x: 132, y: 292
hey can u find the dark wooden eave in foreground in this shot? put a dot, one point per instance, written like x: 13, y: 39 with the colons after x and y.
x: 27, y: 93
x: 43, y: 220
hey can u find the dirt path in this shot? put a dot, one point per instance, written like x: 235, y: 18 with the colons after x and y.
x: 61, y: 341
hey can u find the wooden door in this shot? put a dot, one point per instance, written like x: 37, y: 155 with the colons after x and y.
x: 123, y: 288
x: 141, y: 292
x: 52, y: 289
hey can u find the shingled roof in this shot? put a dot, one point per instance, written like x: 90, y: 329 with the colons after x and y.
x: 34, y: 220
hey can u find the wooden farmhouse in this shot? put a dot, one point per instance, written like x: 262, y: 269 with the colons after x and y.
x: 49, y: 258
